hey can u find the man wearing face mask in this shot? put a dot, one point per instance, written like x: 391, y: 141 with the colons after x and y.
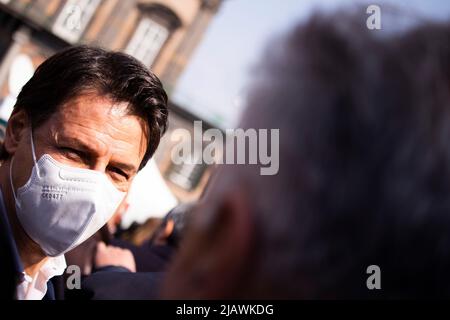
x: 81, y: 129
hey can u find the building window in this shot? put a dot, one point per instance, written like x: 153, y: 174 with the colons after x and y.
x: 186, y: 175
x: 147, y: 41
x: 74, y: 18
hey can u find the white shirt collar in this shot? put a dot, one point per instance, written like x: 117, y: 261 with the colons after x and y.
x: 36, y: 288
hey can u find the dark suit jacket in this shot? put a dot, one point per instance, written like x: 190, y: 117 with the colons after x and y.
x: 115, y: 283
x: 148, y: 257
x: 11, y: 269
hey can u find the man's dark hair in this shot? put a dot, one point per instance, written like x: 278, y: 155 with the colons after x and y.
x: 115, y: 75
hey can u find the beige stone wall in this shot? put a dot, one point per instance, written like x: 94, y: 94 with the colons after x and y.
x: 115, y: 21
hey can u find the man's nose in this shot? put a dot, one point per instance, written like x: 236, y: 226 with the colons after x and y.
x: 100, y: 164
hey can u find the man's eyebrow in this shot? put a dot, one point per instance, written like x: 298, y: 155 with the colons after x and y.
x: 76, y: 143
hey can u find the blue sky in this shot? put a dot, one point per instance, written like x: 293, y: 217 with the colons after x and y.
x: 215, y: 80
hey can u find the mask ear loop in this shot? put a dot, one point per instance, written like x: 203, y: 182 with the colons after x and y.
x: 11, y: 165
x: 10, y: 181
x: 34, y: 154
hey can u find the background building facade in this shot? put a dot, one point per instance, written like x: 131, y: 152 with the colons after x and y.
x: 161, y: 33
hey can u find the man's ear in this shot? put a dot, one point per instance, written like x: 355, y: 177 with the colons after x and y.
x: 217, y: 250
x: 17, y: 126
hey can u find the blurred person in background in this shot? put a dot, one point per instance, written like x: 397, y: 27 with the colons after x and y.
x: 158, y: 243
x: 150, y: 259
x: 154, y: 253
x: 364, y: 176
x: 82, y: 127
x: 173, y: 227
x: 106, y: 252
x: 138, y: 233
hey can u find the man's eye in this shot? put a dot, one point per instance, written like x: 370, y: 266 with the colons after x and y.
x: 70, y: 152
x: 119, y: 172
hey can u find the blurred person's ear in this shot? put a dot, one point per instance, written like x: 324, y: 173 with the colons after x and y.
x: 216, y: 255
x: 18, y: 123
x: 164, y: 233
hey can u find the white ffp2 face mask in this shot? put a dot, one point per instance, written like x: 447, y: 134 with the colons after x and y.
x: 61, y: 206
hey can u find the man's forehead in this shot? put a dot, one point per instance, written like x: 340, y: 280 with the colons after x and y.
x: 96, y: 118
